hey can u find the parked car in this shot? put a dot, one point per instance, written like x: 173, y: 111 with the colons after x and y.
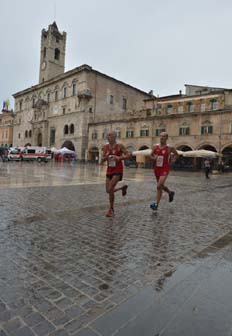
x: 14, y: 154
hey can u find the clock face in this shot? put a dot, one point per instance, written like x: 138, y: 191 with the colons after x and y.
x: 43, y: 66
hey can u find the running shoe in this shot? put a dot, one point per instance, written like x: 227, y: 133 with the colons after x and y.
x: 154, y: 206
x: 110, y: 213
x: 171, y: 196
x: 124, y: 190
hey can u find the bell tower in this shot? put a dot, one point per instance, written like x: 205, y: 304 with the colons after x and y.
x: 52, y: 53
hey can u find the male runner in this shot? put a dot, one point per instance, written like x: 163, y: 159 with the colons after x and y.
x: 161, y: 156
x: 114, y: 154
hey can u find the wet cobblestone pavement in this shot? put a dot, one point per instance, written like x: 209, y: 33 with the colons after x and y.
x: 66, y: 269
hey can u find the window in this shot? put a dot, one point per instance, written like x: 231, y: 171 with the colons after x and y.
x: 124, y: 103
x: 64, y: 110
x: 19, y: 135
x: 214, y: 104
x: 158, y: 109
x: 48, y: 97
x: 184, y: 130
x: 66, y: 129
x: 52, y: 136
x: 208, y: 129
x: 118, y: 133
x: 129, y: 134
x: 26, y: 134
x: 74, y: 89
x: 71, y: 129
x: 94, y: 135
x: 111, y: 99
x: 180, y: 109
x: 20, y: 105
x: 57, y: 54
x: 144, y: 132
x: 159, y: 130
x: 56, y: 95
x: 33, y: 102
x: 64, y: 92
x: 190, y: 107
x: 169, y: 109
x: 30, y: 134
x: 44, y: 52
x: 203, y: 107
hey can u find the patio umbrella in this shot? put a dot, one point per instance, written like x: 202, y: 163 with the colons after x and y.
x: 201, y: 153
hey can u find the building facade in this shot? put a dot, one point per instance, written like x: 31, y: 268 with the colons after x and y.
x: 6, y: 128
x: 199, y: 119
x: 63, y: 104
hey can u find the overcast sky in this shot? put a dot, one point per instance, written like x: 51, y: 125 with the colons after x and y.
x: 150, y: 44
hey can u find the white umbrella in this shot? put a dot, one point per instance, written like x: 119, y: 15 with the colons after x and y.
x: 202, y: 153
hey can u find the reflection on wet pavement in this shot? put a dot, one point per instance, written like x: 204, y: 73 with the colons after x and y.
x: 66, y: 269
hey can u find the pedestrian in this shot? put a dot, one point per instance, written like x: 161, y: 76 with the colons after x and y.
x: 114, y: 153
x: 162, y: 157
x: 207, y: 167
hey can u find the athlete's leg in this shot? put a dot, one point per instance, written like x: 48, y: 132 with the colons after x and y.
x: 110, y: 188
x: 160, y: 183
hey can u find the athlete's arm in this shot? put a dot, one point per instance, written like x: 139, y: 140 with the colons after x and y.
x: 104, y: 156
x: 125, y: 154
x: 174, y: 153
x: 153, y: 156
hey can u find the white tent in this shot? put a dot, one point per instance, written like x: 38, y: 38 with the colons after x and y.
x: 64, y: 150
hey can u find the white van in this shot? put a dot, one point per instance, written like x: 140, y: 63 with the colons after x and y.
x: 36, y: 153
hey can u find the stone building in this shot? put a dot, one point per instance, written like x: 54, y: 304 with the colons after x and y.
x: 63, y: 104
x: 6, y: 128
x: 199, y: 119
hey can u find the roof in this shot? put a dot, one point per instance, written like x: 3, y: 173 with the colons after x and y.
x: 83, y: 67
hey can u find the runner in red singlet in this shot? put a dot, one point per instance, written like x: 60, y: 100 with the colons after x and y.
x: 161, y: 156
x: 114, y: 154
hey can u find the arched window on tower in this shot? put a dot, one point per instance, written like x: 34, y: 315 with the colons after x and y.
x: 26, y: 134
x: 71, y: 129
x: 66, y: 129
x: 57, y: 54
x: 44, y: 52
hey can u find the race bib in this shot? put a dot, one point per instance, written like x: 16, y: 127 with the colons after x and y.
x: 112, y: 162
x: 159, y: 161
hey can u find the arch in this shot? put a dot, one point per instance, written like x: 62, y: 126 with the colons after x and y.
x: 71, y: 129
x: 65, y: 129
x: 130, y: 148
x: 184, y: 148
x: 93, y: 154
x: 68, y: 144
x: 184, y: 163
x: 207, y: 146
x: 143, y: 147
x: 227, y: 156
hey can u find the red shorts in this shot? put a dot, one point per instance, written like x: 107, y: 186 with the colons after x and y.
x: 161, y: 171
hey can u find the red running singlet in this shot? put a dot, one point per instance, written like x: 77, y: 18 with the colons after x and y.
x: 161, y: 164
x: 114, y: 166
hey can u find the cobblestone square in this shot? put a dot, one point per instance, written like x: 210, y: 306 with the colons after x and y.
x: 66, y: 269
